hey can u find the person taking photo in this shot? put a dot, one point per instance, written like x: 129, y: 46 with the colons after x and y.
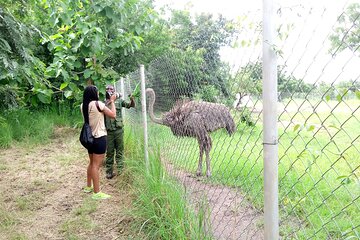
x: 115, y: 131
x: 93, y: 112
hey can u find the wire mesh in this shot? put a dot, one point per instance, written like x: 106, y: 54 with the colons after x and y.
x: 318, y: 119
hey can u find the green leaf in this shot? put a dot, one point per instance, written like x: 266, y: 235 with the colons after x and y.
x: 97, y: 29
x: 88, y: 73
x: 68, y: 94
x: 77, y: 64
x: 334, y: 126
x: 43, y: 98
x: 58, y: 72
x: 65, y: 74
x: 346, y: 180
x: 327, y: 98
x: 63, y: 85
x: 137, y: 92
x: 77, y: 45
x: 341, y: 177
x: 55, y: 36
x: 311, y: 128
x: 339, y: 97
x: 72, y: 36
x: 357, y: 93
x: 296, y: 127
x: 110, y: 12
x: 98, y: 8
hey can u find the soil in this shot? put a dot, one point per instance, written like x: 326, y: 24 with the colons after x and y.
x: 41, y: 194
x: 42, y: 198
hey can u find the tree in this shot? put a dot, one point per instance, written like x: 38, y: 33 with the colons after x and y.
x: 347, y: 32
x: 207, y: 34
x: 86, y: 34
x: 20, y: 70
x: 155, y: 43
x: 249, y: 81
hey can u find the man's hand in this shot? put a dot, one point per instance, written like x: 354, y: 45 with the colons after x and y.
x: 132, y: 101
x: 113, y: 97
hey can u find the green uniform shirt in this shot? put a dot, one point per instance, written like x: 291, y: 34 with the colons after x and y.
x: 111, y: 123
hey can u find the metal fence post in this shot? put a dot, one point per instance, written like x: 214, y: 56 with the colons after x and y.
x: 122, y: 89
x: 270, y: 135
x: 143, y: 110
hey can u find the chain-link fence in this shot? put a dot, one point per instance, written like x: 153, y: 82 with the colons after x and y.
x: 202, y: 108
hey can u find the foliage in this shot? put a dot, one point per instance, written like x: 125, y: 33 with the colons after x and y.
x: 249, y: 80
x: 246, y: 117
x: 86, y: 33
x: 155, y: 43
x: 181, y: 78
x: 208, y: 93
x: 21, y: 77
x: 347, y: 32
x: 207, y: 34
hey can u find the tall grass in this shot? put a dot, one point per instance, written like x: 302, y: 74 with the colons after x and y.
x: 160, y: 208
x: 35, y: 126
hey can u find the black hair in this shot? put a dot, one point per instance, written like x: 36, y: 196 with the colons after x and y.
x: 90, y: 94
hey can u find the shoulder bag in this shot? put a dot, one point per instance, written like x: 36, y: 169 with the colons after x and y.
x: 86, y: 137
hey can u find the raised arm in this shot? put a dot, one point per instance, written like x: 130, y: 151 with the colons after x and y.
x: 111, y: 112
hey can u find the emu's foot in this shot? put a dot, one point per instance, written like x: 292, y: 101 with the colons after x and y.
x: 198, y: 173
x: 208, y: 174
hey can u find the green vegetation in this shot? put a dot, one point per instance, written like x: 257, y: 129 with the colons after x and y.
x: 50, y: 50
x: 317, y: 177
x: 34, y: 126
x: 161, y: 210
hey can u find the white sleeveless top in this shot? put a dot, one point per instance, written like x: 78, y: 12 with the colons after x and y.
x: 96, y: 119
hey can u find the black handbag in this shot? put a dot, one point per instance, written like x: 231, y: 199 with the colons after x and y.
x: 86, y: 137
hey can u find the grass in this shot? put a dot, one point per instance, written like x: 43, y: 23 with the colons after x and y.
x: 34, y: 127
x: 318, y: 172
x: 160, y: 209
x: 318, y: 166
x: 80, y: 219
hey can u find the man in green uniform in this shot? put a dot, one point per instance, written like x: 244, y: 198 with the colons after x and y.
x: 115, y: 133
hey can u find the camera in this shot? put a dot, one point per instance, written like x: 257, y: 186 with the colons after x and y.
x: 110, y: 93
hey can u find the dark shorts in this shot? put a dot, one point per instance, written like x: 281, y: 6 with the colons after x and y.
x: 99, y: 146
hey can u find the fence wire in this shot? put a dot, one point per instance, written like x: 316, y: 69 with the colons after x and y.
x: 207, y: 105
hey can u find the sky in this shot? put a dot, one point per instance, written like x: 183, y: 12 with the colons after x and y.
x: 305, y: 52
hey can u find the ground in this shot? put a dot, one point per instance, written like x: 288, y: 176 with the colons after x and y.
x: 228, y: 214
x: 41, y: 194
x: 42, y: 198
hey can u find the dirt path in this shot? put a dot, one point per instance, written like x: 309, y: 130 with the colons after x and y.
x: 41, y: 194
x: 228, y: 215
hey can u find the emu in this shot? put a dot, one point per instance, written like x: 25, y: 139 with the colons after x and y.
x: 195, y: 119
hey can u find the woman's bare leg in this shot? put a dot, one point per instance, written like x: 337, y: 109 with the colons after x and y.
x: 95, y: 170
x: 88, y: 172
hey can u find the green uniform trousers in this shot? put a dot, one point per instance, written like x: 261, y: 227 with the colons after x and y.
x: 115, y: 147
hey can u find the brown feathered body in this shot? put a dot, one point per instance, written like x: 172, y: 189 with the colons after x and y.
x: 195, y: 119
x: 190, y: 118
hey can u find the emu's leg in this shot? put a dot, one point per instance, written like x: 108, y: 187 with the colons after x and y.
x: 201, y: 153
x: 208, y: 147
